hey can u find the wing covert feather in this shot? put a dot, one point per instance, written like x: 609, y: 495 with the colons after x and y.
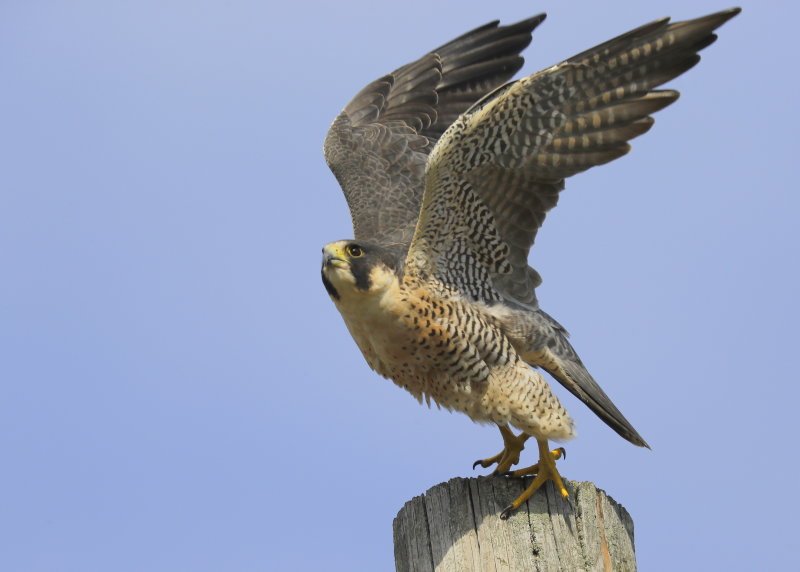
x: 495, y: 173
x: 378, y: 146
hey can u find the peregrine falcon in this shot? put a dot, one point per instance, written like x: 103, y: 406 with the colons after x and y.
x: 448, y: 172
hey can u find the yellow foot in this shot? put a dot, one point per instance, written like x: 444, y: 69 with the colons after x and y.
x: 512, y: 447
x: 545, y: 470
x: 557, y: 454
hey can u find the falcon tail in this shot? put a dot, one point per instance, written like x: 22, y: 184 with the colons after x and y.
x: 572, y: 374
x: 542, y: 342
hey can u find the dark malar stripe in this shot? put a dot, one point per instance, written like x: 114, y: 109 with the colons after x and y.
x: 329, y: 287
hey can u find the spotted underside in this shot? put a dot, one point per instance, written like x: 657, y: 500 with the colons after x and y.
x: 444, y: 349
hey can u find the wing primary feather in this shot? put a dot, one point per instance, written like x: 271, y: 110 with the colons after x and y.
x: 378, y: 146
x: 524, y: 138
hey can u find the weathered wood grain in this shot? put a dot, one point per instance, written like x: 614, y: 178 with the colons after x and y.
x: 456, y: 527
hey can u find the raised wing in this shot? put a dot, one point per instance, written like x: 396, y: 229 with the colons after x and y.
x: 498, y: 170
x: 378, y: 146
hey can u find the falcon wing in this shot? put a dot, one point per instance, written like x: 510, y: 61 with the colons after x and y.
x: 378, y: 146
x: 496, y: 172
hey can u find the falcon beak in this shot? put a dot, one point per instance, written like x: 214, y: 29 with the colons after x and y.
x: 333, y: 256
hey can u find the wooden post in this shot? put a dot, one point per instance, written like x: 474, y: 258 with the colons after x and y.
x: 456, y: 527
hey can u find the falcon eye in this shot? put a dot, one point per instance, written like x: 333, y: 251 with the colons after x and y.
x: 355, y: 251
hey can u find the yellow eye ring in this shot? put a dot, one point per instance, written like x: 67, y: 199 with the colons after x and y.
x: 355, y: 251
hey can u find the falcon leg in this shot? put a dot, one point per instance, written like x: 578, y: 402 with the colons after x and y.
x: 512, y: 447
x: 545, y: 470
x: 559, y: 453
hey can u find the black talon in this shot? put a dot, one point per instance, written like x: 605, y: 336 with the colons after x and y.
x: 563, y: 452
x: 507, y: 512
x: 476, y: 463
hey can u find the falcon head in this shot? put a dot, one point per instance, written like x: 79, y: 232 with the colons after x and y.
x: 353, y: 268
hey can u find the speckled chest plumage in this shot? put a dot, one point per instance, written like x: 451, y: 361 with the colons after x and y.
x: 440, y: 347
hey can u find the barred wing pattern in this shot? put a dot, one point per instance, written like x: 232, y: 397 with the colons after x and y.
x: 496, y: 172
x: 378, y: 146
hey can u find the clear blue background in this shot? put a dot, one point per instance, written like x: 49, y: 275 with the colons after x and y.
x: 177, y: 392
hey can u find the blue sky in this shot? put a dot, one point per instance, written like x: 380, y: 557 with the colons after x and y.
x: 177, y: 392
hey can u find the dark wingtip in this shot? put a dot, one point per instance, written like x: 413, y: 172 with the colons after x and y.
x: 730, y: 12
x: 718, y: 18
x: 534, y: 21
x: 528, y: 24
